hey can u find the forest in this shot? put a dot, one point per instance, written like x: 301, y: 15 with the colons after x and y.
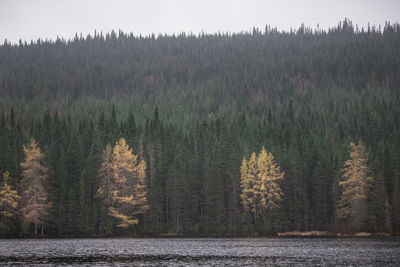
x: 225, y: 134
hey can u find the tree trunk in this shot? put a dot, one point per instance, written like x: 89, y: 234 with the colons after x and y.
x: 35, y: 228
x: 265, y: 228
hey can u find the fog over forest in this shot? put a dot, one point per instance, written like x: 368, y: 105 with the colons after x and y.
x: 46, y: 19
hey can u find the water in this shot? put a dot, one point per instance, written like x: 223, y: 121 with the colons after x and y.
x: 202, y: 251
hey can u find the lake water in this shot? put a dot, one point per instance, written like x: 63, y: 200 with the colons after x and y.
x: 202, y: 251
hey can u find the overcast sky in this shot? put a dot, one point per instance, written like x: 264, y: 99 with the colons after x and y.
x: 31, y: 19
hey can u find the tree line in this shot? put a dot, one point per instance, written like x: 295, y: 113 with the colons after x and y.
x: 199, y: 183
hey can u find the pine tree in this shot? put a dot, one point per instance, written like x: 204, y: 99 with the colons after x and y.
x: 123, y: 184
x: 8, y: 200
x: 176, y: 194
x: 355, y: 181
x: 106, y: 176
x: 35, y: 203
x: 379, y: 212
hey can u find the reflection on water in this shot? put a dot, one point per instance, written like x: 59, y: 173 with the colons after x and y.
x: 202, y: 251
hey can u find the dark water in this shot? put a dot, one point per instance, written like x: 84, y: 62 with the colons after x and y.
x: 203, y: 251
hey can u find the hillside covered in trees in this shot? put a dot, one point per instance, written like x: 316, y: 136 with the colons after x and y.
x: 221, y: 134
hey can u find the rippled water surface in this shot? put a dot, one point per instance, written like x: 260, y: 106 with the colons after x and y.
x: 202, y: 251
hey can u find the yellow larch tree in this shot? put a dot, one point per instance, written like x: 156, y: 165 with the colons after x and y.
x: 35, y: 202
x: 268, y: 190
x: 259, y: 183
x: 8, y: 200
x: 122, y: 183
x: 355, y: 182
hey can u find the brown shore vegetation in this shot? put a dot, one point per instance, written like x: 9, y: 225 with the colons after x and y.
x: 326, y: 233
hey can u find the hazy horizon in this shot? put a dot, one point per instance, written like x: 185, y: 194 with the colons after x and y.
x: 46, y: 19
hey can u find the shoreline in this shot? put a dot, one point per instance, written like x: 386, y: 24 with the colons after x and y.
x: 168, y: 236
x: 332, y: 234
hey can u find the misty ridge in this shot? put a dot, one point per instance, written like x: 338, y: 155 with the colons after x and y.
x: 263, y: 132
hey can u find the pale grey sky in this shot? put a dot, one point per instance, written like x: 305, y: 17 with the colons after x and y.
x: 31, y: 19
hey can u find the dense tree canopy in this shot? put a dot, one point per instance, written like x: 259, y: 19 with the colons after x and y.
x: 192, y: 107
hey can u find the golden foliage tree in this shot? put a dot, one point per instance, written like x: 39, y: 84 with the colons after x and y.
x: 8, y: 200
x: 267, y: 188
x: 259, y: 183
x: 122, y: 184
x: 35, y: 202
x: 354, y: 185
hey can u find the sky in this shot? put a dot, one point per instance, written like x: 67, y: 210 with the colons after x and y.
x: 46, y: 19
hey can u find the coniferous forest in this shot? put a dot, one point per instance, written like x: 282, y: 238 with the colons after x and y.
x: 212, y: 134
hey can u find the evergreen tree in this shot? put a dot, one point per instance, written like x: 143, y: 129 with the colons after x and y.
x: 248, y: 172
x: 177, y: 192
x: 396, y: 207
